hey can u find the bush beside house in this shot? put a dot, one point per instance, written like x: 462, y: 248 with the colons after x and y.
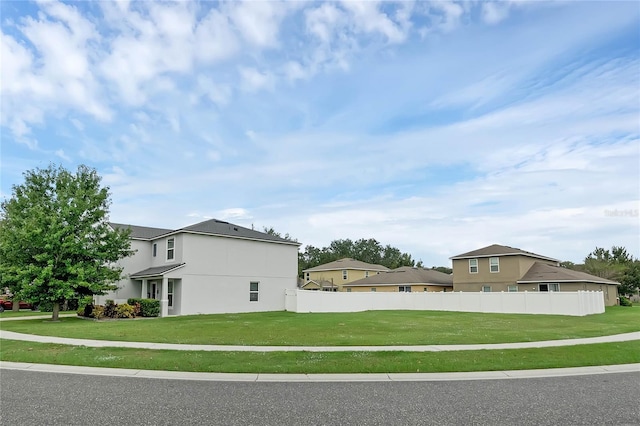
x: 133, y: 308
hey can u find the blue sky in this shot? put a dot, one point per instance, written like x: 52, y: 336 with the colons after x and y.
x: 436, y: 127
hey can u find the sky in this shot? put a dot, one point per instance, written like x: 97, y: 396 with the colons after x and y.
x: 436, y: 127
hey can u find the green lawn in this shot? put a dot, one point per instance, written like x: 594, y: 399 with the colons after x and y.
x: 29, y: 313
x: 337, y: 329
x: 326, y: 362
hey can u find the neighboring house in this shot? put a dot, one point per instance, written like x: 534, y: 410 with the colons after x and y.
x: 320, y: 285
x: 503, y: 268
x: 403, y: 279
x: 210, y: 267
x: 340, y: 272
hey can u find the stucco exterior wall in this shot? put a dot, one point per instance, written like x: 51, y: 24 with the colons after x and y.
x: 335, y: 276
x: 132, y: 264
x: 218, y: 273
x: 511, y: 269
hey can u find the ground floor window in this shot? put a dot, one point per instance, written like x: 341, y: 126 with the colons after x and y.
x: 512, y: 288
x: 170, y: 292
x: 486, y: 288
x: 348, y: 289
x: 548, y: 287
x: 373, y: 289
x: 253, y: 291
x: 405, y: 288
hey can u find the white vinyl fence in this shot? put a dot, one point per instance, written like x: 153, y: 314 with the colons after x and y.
x: 576, y: 303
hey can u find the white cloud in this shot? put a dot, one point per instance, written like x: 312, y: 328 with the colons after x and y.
x: 253, y: 80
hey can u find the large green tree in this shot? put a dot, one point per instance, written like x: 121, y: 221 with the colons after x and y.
x: 55, y: 241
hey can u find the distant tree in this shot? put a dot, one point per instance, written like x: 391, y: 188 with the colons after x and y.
x: 272, y: 231
x: 607, y: 264
x: 443, y: 269
x: 365, y: 250
x: 630, y: 281
x: 55, y: 241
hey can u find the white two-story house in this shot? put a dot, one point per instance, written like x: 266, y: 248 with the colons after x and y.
x: 210, y: 267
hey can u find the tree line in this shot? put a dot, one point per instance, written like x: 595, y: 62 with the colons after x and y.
x: 615, y: 264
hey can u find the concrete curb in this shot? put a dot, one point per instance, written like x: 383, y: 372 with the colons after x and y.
x: 312, y: 378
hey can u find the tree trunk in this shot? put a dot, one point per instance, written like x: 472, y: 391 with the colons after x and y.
x: 56, y: 311
x: 16, y: 305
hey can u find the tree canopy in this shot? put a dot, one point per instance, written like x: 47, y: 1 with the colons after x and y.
x: 55, y: 241
x: 615, y: 264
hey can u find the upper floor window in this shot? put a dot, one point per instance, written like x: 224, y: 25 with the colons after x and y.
x: 170, y: 248
x: 366, y: 274
x: 494, y: 264
x: 373, y: 289
x: 486, y: 288
x: 155, y: 249
x: 473, y: 266
x: 307, y: 276
x: 405, y: 288
x: 344, y: 274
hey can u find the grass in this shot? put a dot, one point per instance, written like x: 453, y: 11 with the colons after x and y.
x: 325, y: 362
x: 342, y: 329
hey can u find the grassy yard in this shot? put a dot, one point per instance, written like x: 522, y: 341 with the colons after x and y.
x: 336, y: 329
x: 327, y: 362
x: 29, y: 313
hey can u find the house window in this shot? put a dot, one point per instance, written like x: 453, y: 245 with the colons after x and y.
x: 348, y: 289
x: 170, y: 248
x: 155, y: 249
x: 253, y: 291
x: 512, y: 288
x: 473, y: 266
x: 549, y: 287
x: 366, y: 274
x: 405, y: 288
x: 486, y: 288
x: 344, y: 274
x: 425, y: 289
x: 170, y: 292
x: 307, y: 276
x: 373, y: 289
x: 494, y: 264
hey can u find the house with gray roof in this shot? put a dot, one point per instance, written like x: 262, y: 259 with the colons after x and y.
x: 403, y: 279
x: 503, y: 268
x: 209, y: 267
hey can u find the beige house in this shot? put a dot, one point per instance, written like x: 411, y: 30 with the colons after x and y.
x: 403, y: 279
x: 503, y: 268
x: 333, y: 275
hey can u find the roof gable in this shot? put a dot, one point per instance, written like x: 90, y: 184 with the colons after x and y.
x: 500, y: 250
x: 347, y: 263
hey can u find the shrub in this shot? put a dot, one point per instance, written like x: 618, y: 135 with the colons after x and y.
x: 110, y: 309
x: 88, y: 310
x: 625, y: 301
x: 81, y: 312
x: 125, y: 311
x: 149, y: 307
x: 98, y: 312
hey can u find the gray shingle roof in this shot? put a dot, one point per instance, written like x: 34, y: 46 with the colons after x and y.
x: 156, y: 270
x: 347, y: 263
x: 210, y: 227
x: 141, y: 232
x: 541, y: 272
x: 219, y: 227
x: 406, y: 275
x: 499, y: 250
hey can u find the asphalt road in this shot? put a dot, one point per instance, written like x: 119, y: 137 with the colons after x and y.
x: 37, y: 398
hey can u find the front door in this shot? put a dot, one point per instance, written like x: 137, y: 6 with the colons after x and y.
x: 152, y: 290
